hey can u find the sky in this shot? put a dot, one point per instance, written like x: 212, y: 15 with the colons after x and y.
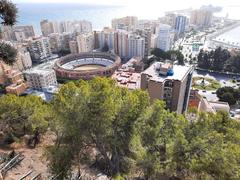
x: 145, y: 7
x: 141, y: 3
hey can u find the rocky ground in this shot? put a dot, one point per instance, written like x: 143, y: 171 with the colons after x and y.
x: 35, y: 161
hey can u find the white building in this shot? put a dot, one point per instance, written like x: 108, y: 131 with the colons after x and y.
x: 85, y: 42
x: 40, y: 79
x: 165, y: 37
x: 136, y: 46
x: 106, y: 37
x: 121, y: 44
x: 154, y: 39
x: 39, y: 48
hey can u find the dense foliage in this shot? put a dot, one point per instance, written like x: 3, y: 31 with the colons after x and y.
x: 8, y: 15
x: 228, y: 94
x: 22, y: 115
x: 120, y: 133
x: 219, y: 60
x: 168, y: 55
x: 7, y: 53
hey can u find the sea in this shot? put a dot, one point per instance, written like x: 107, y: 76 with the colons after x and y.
x: 231, y: 37
x: 99, y: 15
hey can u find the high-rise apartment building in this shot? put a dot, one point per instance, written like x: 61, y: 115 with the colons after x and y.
x: 136, y: 46
x: 165, y: 37
x: 121, y: 44
x: 85, y: 42
x: 73, y: 47
x: 46, y: 27
x: 171, y: 83
x: 39, y: 48
x: 128, y: 23
x: 55, y: 42
x: 105, y: 37
x: 180, y: 25
x: 201, y: 18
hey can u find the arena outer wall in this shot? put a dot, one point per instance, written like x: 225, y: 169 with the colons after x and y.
x: 71, y: 74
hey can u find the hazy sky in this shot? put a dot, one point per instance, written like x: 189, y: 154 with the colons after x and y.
x: 175, y: 3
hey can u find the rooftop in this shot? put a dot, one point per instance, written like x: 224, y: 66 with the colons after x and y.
x: 38, y: 71
x: 154, y: 71
x: 125, y: 78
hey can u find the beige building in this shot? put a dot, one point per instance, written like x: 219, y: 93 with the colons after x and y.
x: 170, y: 83
x: 128, y: 23
x: 46, y: 27
x: 85, y: 42
x: 73, y: 47
x: 201, y: 18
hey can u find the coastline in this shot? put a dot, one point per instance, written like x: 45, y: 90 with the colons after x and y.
x: 214, y: 42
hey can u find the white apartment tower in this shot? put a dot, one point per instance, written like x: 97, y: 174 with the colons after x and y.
x: 39, y: 48
x: 85, y: 42
x: 136, y: 46
x: 165, y: 37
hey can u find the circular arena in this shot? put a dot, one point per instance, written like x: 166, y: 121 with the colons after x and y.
x: 86, y: 65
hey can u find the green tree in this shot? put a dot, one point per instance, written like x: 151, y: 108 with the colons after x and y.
x: 97, y: 114
x: 8, y: 14
x: 7, y: 53
x: 228, y: 94
x: 159, y: 53
x: 163, y: 138
x: 175, y: 55
x: 22, y: 115
x: 233, y: 64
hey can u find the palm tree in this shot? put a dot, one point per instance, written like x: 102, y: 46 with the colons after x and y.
x: 8, y: 14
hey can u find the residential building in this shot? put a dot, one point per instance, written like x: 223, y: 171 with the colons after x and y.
x: 136, y: 46
x: 39, y: 48
x: 128, y: 23
x: 154, y: 39
x: 85, y: 42
x: 40, y: 79
x: 105, y: 37
x: 170, y: 83
x: 55, y: 42
x: 180, y: 25
x: 203, y: 105
x: 146, y: 34
x: 201, y: 18
x: 46, y: 27
x: 121, y: 44
x: 165, y: 37
x: 17, y: 33
x: 169, y: 19
x: 73, y: 47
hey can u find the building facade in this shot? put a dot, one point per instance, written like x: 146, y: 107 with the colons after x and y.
x: 128, y: 23
x: 85, y: 42
x: 180, y: 25
x: 169, y: 83
x: 202, y: 18
x: 165, y: 37
x: 40, y: 79
x: 39, y: 48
